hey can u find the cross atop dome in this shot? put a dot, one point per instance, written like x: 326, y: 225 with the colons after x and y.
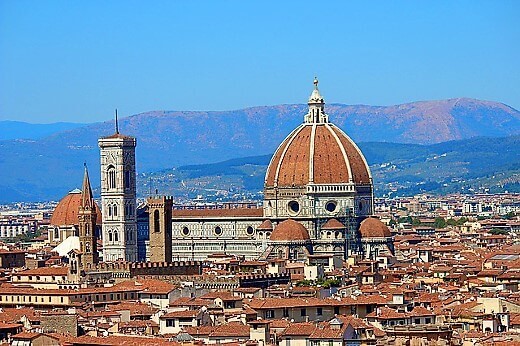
x: 316, y: 104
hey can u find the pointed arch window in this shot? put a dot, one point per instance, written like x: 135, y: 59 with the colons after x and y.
x: 116, y: 236
x: 114, y: 210
x: 127, y: 178
x: 110, y: 237
x: 111, y: 177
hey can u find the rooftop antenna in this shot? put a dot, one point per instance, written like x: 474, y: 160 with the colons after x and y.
x: 117, y: 125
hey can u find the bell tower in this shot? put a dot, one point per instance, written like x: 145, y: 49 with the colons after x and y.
x: 118, y: 196
x: 160, y: 226
x: 87, y: 216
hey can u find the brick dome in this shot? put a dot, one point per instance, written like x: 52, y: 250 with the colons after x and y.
x: 290, y: 230
x: 333, y: 224
x: 373, y: 228
x: 267, y: 225
x: 66, y: 212
x: 317, y: 152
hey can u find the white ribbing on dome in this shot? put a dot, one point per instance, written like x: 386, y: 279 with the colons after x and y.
x: 343, y: 151
x: 316, y: 114
x: 311, y: 154
x: 292, y: 136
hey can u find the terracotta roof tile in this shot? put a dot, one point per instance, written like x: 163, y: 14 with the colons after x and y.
x: 235, y: 330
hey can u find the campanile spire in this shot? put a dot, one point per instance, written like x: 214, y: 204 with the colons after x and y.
x: 86, y: 191
x: 117, y: 124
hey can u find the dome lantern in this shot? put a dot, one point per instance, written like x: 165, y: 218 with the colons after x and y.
x: 316, y: 114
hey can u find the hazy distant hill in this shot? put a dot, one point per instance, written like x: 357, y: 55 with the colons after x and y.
x: 22, y: 130
x: 402, y: 169
x: 47, y: 168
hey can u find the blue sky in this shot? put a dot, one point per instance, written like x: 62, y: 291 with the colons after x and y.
x: 77, y: 61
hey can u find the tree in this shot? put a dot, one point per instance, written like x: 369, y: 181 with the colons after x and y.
x: 509, y: 215
x: 462, y: 221
x: 416, y: 221
x: 439, y: 222
x: 498, y: 231
x: 405, y: 219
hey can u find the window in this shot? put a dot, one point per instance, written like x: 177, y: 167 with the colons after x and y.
x: 303, y: 312
x: 319, y: 311
x: 116, y: 236
x: 218, y: 231
x: 156, y: 227
x: 115, y: 210
x: 336, y: 310
x: 427, y: 320
x: 285, y: 312
x: 110, y: 238
x: 170, y: 323
x: 111, y: 173
x: 417, y: 321
x: 294, y: 207
x: 250, y: 230
x: 330, y: 206
x: 269, y: 314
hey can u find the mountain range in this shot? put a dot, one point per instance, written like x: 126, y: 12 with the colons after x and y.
x: 35, y: 168
x: 22, y: 130
x: 479, y: 164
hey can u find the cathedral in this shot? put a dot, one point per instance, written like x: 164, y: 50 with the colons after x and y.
x: 318, y: 201
x: 317, y: 192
